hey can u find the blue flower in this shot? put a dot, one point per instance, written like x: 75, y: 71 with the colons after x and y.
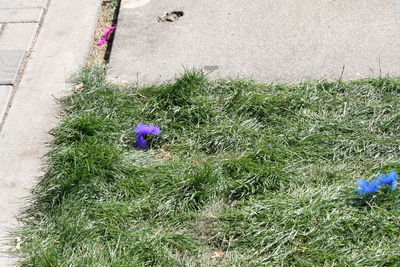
x: 367, y: 187
x: 141, y: 131
x: 389, y: 179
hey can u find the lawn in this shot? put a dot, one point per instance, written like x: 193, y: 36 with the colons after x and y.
x: 243, y: 174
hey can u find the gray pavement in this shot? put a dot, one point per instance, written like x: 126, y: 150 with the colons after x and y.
x: 19, y: 24
x: 10, y: 63
x: 34, y: 73
x: 266, y: 40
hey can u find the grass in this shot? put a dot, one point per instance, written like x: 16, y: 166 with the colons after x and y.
x: 244, y: 174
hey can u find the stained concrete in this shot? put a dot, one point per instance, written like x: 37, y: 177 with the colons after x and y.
x: 267, y: 40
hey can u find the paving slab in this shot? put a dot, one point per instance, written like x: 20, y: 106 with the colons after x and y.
x: 10, y: 63
x: 22, y: 3
x: 5, y: 95
x: 266, y: 40
x: 18, y: 36
x: 15, y: 15
x: 61, y: 48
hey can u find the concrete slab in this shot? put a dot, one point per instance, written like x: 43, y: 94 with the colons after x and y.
x: 62, y: 45
x: 10, y: 63
x: 22, y: 3
x: 14, y: 15
x: 266, y: 40
x: 5, y: 95
x: 18, y: 36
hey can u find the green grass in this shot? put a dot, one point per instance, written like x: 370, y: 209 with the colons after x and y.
x: 244, y: 174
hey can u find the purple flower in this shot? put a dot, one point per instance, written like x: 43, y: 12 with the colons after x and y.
x: 141, y: 131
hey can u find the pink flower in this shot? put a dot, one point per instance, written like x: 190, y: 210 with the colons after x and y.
x: 107, y: 35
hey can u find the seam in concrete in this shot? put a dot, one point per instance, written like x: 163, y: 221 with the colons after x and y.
x: 41, y: 10
x: 22, y: 4
x: 22, y: 22
x: 20, y: 8
x: 25, y: 21
x: 24, y: 63
x: 7, y: 96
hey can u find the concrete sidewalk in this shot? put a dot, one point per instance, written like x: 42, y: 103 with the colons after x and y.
x: 60, y: 50
x: 267, y: 40
x: 19, y: 24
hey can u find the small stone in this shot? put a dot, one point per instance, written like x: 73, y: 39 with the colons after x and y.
x: 217, y: 254
x: 79, y: 87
